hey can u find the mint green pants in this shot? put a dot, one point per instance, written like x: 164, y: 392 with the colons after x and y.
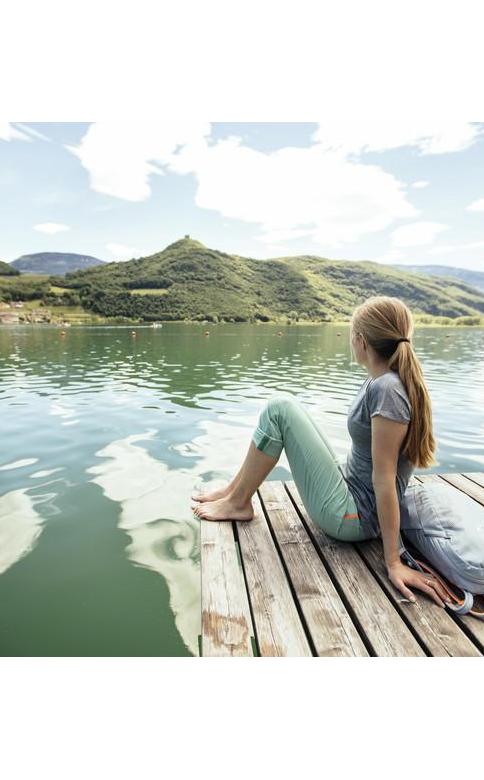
x: 284, y: 423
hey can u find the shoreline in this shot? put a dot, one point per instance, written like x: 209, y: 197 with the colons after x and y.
x: 98, y: 321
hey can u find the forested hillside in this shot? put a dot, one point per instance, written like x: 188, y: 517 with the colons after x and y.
x: 189, y: 281
x: 6, y: 269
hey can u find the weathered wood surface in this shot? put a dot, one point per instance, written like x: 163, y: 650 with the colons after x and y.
x: 328, y: 622
x: 384, y: 631
x: 226, y: 620
x: 278, y: 586
x: 278, y: 627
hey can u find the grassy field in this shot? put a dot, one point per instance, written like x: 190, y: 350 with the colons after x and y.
x: 27, y: 280
x: 149, y: 291
x: 58, y: 290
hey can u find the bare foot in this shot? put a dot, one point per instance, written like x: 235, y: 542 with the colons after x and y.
x: 224, y: 508
x: 212, y: 495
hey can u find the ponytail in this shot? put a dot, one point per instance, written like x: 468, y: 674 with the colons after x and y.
x: 387, y: 324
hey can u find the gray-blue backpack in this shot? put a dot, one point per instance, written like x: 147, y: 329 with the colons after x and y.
x: 446, y: 526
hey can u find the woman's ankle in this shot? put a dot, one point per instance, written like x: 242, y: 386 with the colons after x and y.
x: 240, y: 497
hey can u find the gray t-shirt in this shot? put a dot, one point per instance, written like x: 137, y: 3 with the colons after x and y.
x: 385, y: 395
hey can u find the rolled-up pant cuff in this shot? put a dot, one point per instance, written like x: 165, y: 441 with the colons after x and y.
x: 268, y: 444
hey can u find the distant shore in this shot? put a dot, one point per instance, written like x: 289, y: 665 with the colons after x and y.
x: 37, y: 312
x: 87, y: 320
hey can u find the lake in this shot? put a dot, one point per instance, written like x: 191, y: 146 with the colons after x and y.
x: 105, y: 436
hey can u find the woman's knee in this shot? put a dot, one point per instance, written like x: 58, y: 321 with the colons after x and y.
x: 280, y: 410
x: 281, y: 400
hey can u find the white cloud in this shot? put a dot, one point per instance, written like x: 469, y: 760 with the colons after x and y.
x: 477, y: 205
x: 378, y: 136
x: 323, y: 192
x: 122, y: 252
x: 51, y: 228
x: 419, y: 185
x: 120, y: 156
x: 282, y: 235
x: 20, y: 132
x: 417, y: 233
x: 31, y: 132
x: 294, y: 192
x: 10, y: 133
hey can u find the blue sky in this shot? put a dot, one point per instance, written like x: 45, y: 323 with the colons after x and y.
x: 403, y: 192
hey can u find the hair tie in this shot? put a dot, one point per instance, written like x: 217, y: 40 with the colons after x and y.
x: 399, y: 340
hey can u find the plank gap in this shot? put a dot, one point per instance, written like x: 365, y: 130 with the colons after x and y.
x: 253, y: 638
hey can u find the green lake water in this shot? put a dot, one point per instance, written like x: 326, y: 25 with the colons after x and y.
x: 104, y: 436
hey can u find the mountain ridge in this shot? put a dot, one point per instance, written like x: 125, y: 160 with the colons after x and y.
x: 58, y: 263
x: 474, y: 278
x: 188, y: 280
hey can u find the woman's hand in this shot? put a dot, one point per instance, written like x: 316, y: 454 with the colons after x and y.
x: 403, y: 577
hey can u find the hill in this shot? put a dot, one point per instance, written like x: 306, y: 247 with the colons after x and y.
x: 187, y: 280
x: 58, y: 263
x: 7, y: 270
x: 474, y: 278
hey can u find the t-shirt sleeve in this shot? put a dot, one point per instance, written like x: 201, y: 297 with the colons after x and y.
x: 389, y: 400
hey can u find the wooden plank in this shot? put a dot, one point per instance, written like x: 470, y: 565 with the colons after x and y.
x: 437, y: 631
x: 327, y: 619
x: 472, y: 489
x: 385, y: 631
x: 226, y: 621
x: 277, y: 624
x: 475, y: 476
x: 472, y: 626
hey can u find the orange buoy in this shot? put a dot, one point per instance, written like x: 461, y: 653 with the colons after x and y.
x: 207, y: 333
x: 133, y: 333
x: 63, y: 333
x: 279, y: 332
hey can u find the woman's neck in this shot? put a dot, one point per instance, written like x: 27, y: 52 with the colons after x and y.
x: 375, y: 371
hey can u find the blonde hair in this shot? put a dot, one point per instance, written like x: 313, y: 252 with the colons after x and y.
x: 382, y: 320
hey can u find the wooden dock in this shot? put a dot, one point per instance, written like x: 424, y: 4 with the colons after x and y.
x: 278, y: 586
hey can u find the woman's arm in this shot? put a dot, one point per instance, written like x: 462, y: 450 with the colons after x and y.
x: 386, y: 439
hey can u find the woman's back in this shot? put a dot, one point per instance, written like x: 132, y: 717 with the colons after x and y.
x: 385, y: 395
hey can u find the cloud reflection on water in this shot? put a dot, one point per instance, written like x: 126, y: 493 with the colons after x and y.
x: 155, y: 513
x: 20, y: 527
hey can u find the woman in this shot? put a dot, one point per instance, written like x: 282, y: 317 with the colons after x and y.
x: 390, y: 424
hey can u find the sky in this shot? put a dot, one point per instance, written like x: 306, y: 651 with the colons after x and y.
x: 392, y: 192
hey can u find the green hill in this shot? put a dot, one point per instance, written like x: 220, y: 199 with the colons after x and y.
x: 6, y: 269
x: 187, y: 280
